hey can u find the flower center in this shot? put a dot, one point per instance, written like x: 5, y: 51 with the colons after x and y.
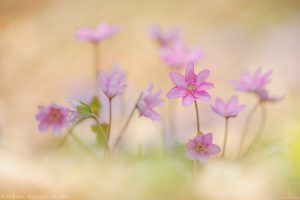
x: 201, y: 149
x: 54, y: 115
x: 190, y: 88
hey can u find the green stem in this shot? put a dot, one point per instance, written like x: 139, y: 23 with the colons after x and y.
x: 260, y: 130
x: 246, y: 128
x: 110, y: 117
x: 197, y: 119
x: 126, y: 123
x: 225, y: 137
x: 96, y: 49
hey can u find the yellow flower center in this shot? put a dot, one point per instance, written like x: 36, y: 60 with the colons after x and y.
x: 190, y: 88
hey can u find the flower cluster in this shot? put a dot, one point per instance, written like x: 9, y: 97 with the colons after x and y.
x: 190, y: 87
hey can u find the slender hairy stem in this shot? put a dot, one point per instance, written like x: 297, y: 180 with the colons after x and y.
x: 103, y: 135
x: 246, y: 128
x: 124, y: 127
x: 260, y: 130
x: 96, y: 49
x: 82, y: 145
x: 110, y: 117
x: 225, y: 137
x: 126, y: 123
x: 198, y: 119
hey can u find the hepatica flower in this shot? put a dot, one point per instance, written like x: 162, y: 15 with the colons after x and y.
x: 53, y: 116
x: 228, y: 109
x: 148, y: 102
x: 164, y: 38
x: 253, y: 83
x: 201, y: 148
x: 101, y: 32
x: 112, y: 84
x: 178, y: 55
x: 191, y: 86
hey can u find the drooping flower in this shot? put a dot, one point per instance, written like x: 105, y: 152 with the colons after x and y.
x: 148, y: 102
x: 228, y: 109
x: 191, y: 86
x: 164, y: 38
x: 179, y: 55
x: 101, y: 32
x: 201, y: 148
x: 53, y: 116
x: 112, y: 84
x: 265, y: 97
x: 253, y: 83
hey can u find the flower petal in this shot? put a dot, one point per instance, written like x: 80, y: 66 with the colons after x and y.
x: 176, y: 92
x: 202, y: 76
x: 178, y: 79
x: 213, y: 149
x: 189, y: 73
x: 207, y: 138
x: 203, y: 95
x: 188, y: 100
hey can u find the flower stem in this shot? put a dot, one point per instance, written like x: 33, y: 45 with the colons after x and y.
x: 126, y: 124
x: 103, y: 135
x: 259, y: 131
x: 198, y: 119
x: 82, y: 145
x: 225, y: 137
x: 246, y: 128
x: 110, y: 117
x: 96, y: 49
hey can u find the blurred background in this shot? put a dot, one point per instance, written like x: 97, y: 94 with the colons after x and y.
x: 41, y: 62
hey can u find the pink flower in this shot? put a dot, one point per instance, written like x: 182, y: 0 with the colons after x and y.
x: 54, y: 116
x: 178, y: 55
x: 228, y: 109
x: 112, y: 84
x: 164, y: 39
x: 201, y: 148
x: 101, y: 32
x: 191, y: 86
x: 147, y: 102
x: 265, y: 97
x: 253, y: 83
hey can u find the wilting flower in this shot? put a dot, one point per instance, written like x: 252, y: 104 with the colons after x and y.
x: 265, y: 97
x: 179, y: 55
x: 228, y: 109
x: 201, y: 147
x: 53, y: 116
x: 112, y: 84
x: 101, y: 32
x: 191, y: 86
x: 148, y: 101
x: 164, y: 39
x: 253, y: 83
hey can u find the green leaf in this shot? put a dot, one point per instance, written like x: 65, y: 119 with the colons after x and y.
x: 101, y: 131
x: 95, y: 105
x: 85, y: 111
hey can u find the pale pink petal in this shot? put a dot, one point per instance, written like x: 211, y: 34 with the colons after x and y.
x: 178, y: 79
x: 205, y: 86
x: 202, y: 76
x: 207, y: 138
x: 189, y: 73
x: 213, y: 149
x: 203, y: 158
x: 176, y: 92
x: 232, y: 103
x: 187, y: 100
x: 202, y: 95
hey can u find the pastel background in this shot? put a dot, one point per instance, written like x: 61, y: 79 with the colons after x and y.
x: 41, y: 62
